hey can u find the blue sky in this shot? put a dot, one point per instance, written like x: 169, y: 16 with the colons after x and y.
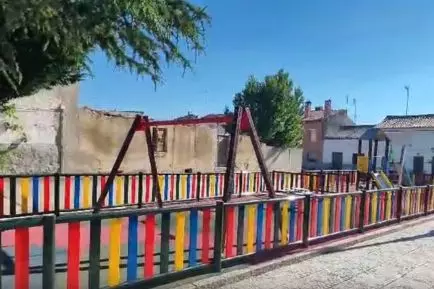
x: 368, y: 50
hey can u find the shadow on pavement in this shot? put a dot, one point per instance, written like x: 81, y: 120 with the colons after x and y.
x: 405, y: 239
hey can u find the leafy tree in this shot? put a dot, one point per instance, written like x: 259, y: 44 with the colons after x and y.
x: 277, y: 108
x: 47, y: 42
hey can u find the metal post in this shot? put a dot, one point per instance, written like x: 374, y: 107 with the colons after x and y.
x: 218, y: 237
x: 426, y: 199
x: 94, y: 254
x: 399, y: 204
x: 48, y: 253
x: 306, y: 220
x: 374, y: 161
x: 368, y: 179
x: 386, y: 157
x: 57, y: 194
x: 362, y: 212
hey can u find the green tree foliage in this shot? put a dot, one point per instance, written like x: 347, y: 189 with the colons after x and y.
x: 277, y: 109
x: 47, y: 42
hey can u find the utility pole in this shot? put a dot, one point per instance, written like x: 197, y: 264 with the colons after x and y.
x: 407, y: 88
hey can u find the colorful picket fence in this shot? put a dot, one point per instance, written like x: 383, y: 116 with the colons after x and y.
x: 44, y: 194
x: 132, y: 246
x: 55, y: 193
x: 319, y: 182
x: 251, y: 228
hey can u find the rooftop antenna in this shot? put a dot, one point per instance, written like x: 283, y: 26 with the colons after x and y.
x: 346, y: 102
x: 355, y: 110
x: 407, y: 88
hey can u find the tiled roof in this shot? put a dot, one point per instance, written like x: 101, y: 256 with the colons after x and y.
x: 319, y: 114
x: 407, y: 121
x: 348, y: 132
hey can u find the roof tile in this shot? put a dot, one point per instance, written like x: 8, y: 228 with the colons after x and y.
x: 407, y: 121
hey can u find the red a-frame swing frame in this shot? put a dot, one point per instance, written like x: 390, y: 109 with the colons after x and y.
x: 241, y: 120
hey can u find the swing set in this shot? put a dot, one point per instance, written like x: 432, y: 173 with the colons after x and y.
x: 240, y: 122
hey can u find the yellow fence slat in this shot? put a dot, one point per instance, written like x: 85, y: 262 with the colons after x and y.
x: 250, y: 227
x: 285, y: 220
x: 179, y: 241
x: 114, y: 276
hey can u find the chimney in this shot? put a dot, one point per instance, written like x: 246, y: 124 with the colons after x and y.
x: 307, y: 108
x: 327, y: 107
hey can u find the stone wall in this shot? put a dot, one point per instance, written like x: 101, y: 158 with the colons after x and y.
x: 100, y: 136
x: 41, y: 118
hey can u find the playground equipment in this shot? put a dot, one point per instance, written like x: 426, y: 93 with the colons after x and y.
x: 367, y: 165
x: 241, y: 121
x: 381, y: 180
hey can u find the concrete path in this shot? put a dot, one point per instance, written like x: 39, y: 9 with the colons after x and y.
x: 404, y: 259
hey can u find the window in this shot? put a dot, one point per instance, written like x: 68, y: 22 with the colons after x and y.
x: 159, y: 139
x: 312, y: 135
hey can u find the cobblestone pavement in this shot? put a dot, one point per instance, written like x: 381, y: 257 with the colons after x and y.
x: 400, y: 260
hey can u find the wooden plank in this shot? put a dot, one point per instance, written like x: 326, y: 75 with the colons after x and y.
x: 48, y: 253
x: 132, y: 248
x: 292, y: 220
x: 230, y: 228
x: 94, y: 254
x: 192, y: 247
x: 240, y: 230
x: 268, y: 225
x: 250, y: 227
x: 206, y: 220
x: 25, y: 192
x: 233, y: 145
x: 77, y: 191
x: 165, y: 239
x: 114, y: 276
x: 67, y: 197
x: 259, y: 156
x: 86, y: 192
x: 35, y: 194
x: 73, y: 264
x: 13, y: 196
x: 127, y: 190
x: 179, y: 241
x: 284, y: 226
x: 259, y: 226
x: 118, y: 161
x: 156, y: 191
x: 22, y: 258
x: 149, y: 246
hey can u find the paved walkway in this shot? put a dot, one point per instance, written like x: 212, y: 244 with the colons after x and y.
x: 400, y: 260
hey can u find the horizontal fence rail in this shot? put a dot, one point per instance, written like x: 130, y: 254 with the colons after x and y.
x: 134, y: 247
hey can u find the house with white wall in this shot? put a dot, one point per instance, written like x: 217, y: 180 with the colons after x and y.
x: 416, y: 132
x: 341, y: 146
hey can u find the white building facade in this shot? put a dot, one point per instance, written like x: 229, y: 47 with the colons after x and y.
x: 415, y: 132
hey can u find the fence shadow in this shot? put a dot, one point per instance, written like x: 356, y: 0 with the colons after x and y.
x: 399, y: 240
